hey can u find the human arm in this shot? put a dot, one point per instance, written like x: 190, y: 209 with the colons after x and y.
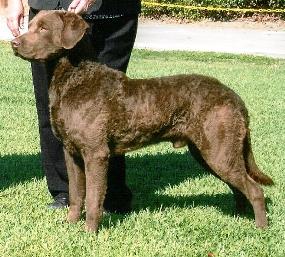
x: 15, y: 17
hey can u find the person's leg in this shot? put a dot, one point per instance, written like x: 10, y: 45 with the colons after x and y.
x: 51, y: 148
x: 113, y: 40
x: 52, y: 156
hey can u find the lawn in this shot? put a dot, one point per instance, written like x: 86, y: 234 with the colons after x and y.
x: 178, y: 208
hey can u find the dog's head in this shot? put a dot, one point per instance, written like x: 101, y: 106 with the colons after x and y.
x: 49, y: 32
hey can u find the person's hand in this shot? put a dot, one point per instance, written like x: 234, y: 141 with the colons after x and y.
x: 15, y: 17
x: 80, y: 6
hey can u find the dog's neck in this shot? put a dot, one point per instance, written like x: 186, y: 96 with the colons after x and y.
x: 68, y: 59
x: 83, y: 51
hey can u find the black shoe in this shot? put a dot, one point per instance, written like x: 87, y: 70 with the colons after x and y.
x: 60, y: 201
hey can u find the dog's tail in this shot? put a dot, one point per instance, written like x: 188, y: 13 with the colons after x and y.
x: 251, y: 166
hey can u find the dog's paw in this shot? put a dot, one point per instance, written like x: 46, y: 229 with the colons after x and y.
x: 73, y: 217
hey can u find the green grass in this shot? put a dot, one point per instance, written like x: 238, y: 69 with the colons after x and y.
x: 178, y: 209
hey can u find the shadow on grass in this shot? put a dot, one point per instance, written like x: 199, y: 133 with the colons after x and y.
x: 15, y: 169
x: 146, y: 175
x: 149, y: 173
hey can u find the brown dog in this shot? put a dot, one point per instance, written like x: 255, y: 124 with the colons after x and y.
x: 97, y: 112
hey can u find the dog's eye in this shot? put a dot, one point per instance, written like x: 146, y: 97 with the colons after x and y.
x: 43, y: 29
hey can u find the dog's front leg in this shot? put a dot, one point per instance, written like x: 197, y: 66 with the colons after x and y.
x: 76, y: 181
x: 96, y: 166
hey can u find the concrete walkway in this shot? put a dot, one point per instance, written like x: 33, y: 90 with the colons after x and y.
x: 195, y: 37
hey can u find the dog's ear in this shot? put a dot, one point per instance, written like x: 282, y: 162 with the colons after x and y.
x: 74, y: 28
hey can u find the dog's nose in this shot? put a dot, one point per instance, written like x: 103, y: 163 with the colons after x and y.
x: 15, y: 43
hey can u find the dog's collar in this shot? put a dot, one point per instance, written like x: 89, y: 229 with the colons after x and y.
x: 101, y: 16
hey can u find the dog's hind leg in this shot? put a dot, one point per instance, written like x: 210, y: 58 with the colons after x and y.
x: 235, y: 175
x: 96, y: 167
x: 225, y: 157
x: 76, y: 178
x: 221, y: 145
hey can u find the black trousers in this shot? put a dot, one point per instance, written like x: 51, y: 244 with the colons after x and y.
x: 113, y: 39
